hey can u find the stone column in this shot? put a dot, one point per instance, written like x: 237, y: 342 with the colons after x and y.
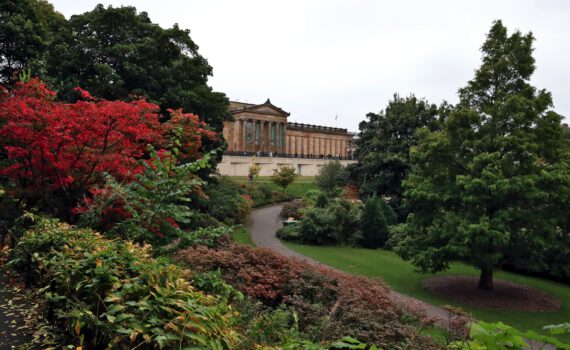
x: 241, y: 138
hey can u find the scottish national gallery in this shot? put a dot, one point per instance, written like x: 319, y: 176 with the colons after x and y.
x: 261, y: 134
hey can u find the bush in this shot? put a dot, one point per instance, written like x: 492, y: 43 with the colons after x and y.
x: 328, y: 304
x: 225, y: 201
x: 109, y: 293
x: 377, y: 216
x: 335, y: 223
x: 289, y: 233
x: 332, y: 177
x: 292, y: 209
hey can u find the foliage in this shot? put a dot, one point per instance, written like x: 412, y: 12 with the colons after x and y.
x: 384, y: 143
x: 499, y: 336
x: 376, y: 218
x: 29, y: 29
x: 112, y: 293
x: 337, y: 222
x: 57, y: 151
x: 254, y: 170
x: 327, y: 304
x: 293, y: 209
x: 284, y: 176
x: 152, y: 207
x: 332, y: 177
x: 492, y: 184
x: 224, y: 200
x: 400, y: 275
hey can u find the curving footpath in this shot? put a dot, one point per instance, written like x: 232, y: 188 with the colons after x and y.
x: 264, y: 223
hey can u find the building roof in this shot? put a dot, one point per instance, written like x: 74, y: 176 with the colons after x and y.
x: 238, y: 107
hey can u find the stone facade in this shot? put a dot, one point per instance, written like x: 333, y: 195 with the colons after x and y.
x: 263, y: 130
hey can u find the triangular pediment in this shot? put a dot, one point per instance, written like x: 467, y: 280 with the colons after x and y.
x: 266, y: 108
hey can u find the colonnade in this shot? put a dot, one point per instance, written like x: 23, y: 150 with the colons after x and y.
x: 254, y: 135
x: 316, y: 145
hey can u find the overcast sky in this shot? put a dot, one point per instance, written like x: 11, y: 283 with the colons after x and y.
x: 318, y: 59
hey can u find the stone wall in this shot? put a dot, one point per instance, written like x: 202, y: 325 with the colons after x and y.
x: 239, y: 165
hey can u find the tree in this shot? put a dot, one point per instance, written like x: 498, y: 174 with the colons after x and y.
x: 384, y: 143
x: 28, y: 29
x: 117, y: 53
x: 332, y: 176
x: 57, y: 151
x: 492, y: 184
x: 284, y: 176
x: 377, y: 216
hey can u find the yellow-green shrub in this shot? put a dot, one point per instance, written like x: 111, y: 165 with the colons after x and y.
x: 112, y: 293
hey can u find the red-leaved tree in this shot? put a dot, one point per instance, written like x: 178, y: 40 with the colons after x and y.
x: 56, y: 151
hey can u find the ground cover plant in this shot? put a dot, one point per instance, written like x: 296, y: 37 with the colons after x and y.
x: 401, y: 276
x: 112, y: 293
x: 263, y: 191
x: 327, y: 304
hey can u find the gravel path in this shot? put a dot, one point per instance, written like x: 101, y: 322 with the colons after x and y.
x: 264, y: 223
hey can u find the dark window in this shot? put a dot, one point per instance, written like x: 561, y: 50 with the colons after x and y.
x: 248, y: 131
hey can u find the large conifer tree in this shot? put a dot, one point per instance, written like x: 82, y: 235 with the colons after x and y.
x: 491, y: 183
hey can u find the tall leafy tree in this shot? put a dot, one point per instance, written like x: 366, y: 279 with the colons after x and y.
x: 28, y: 28
x: 118, y: 53
x: 493, y: 184
x: 384, y: 143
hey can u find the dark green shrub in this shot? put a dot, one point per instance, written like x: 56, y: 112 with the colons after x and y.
x: 225, y: 201
x: 111, y: 293
x: 289, y: 233
x: 377, y: 216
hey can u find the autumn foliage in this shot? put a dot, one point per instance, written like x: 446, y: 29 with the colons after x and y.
x: 329, y: 304
x: 57, y: 151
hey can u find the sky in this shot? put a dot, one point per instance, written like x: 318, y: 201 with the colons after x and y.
x: 330, y: 62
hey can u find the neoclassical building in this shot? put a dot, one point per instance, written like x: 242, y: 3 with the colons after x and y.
x: 263, y: 130
x: 261, y: 134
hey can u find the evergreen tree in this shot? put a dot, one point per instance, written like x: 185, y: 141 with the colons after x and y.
x: 377, y: 216
x: 493, y: 182
x: 384, y: 145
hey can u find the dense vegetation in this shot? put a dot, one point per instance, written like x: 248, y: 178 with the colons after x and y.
x: 493, y: 185
x: 112, y: 220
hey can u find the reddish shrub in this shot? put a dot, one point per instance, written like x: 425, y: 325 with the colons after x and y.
x: 329, y: 304
x: 61, y: 149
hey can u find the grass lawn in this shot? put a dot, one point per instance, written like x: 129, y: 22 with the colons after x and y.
x: 297, y: 189
x: 242, y: 236
x: 401, y: 276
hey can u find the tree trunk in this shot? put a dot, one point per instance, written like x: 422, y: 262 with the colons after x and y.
x: 486, y: 279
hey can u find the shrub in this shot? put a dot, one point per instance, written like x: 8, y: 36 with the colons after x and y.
x: 289, y: 233
x: 58, y: 151
x: 328, y: 304
x: 225, y: 201
x: 152, y: 207
x: 332, y: 177
x: 108, y: 293
x: 377, y: 216
x: 284, y: 176
x: 292, y: 209
x: 335, y: 223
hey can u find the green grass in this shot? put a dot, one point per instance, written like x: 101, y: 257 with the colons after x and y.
x: 297, y: 189
x: 242, y: 236
x: 400, y: 275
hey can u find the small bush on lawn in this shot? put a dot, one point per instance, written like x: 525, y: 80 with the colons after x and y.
x: 328, y: 304
x: 112, y: 294
x: 289, y: 233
